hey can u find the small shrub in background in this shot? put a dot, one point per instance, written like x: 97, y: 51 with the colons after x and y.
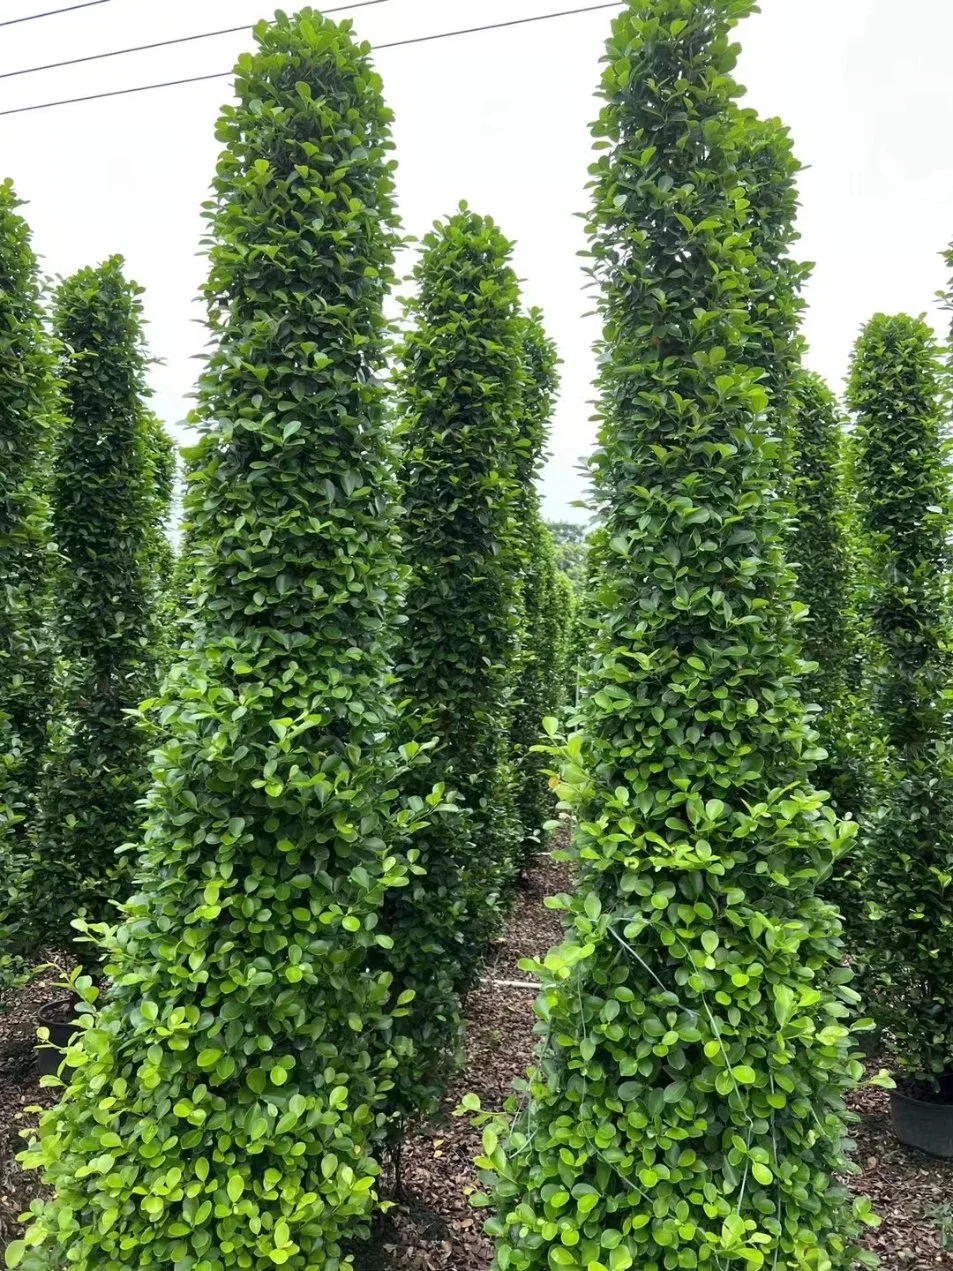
x: 896, y: 395
x: 569, y: 540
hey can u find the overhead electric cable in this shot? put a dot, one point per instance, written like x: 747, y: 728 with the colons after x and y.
x: 51, y: 13
x: 162, y: 44
x: 393, y: 44
x: 498, y: 26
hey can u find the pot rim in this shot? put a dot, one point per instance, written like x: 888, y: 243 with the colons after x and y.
x: 43, y: 1012
x: 897, y: 1096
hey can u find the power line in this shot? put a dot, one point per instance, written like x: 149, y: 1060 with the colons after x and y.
x: 51, y: 13
x: 159, y: 44
x: 196, y: 79
x: 498, y: 26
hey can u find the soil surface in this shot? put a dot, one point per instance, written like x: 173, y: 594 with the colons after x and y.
x: 434, y: 1228
x: 20, y: 1089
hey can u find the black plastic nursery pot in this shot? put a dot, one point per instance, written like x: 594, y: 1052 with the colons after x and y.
x: 923, y: 1123
x: 59, y: 1017
x: 869, y: 1043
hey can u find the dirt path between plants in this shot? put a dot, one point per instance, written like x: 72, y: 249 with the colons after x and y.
x: 436, y: 1229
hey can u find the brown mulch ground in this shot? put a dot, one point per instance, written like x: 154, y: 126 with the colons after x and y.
x: 912, y: 1192
x: 435, y: 1229
x: 19, y: 1089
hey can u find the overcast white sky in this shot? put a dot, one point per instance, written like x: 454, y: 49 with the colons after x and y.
x: 500, y: 119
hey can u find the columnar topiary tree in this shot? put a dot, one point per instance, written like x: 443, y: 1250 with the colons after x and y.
x: 27, y: 419
x: 239, y: 1069
x: 538, y: 690
x: 895, y: 392
x: 101, y: 501
x: 688, y: 1105
x: 820, y: 550
x: 460, y: 392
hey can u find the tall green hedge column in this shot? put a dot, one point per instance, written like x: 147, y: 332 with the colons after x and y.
x: 228, y: 1104
x: 538, y: 688
x: 27, y: 417
x: 28, y: 409
x: 460, y: 388
x: 820, y: 546
x: 895, y: 392
x: 102, y: 515
x: 688, y: 1109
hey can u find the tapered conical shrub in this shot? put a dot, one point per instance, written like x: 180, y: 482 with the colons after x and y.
x: 28, y: 409
x: 538, y: 687
x: 895, y: 392
x: 460, y: 392
x: 687, y: 1109
x: 230, y: 1095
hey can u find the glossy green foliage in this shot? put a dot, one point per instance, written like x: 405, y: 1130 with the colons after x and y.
x: 540, y: 387
x: 895, y: 392
x: 162, y: 476
x: 541, y: 682
x: 688, y: 1105
x: 27, y: 423
x: 820, y: 549
x: 571, y: 544
x: 766, y: 173
x: 229, y: 1096
x: 566, y: 600
x: 28, y: 409
x: 585, y: 612
x: 460, y: 392
x: 538, y: 690
x: 101, y: 502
